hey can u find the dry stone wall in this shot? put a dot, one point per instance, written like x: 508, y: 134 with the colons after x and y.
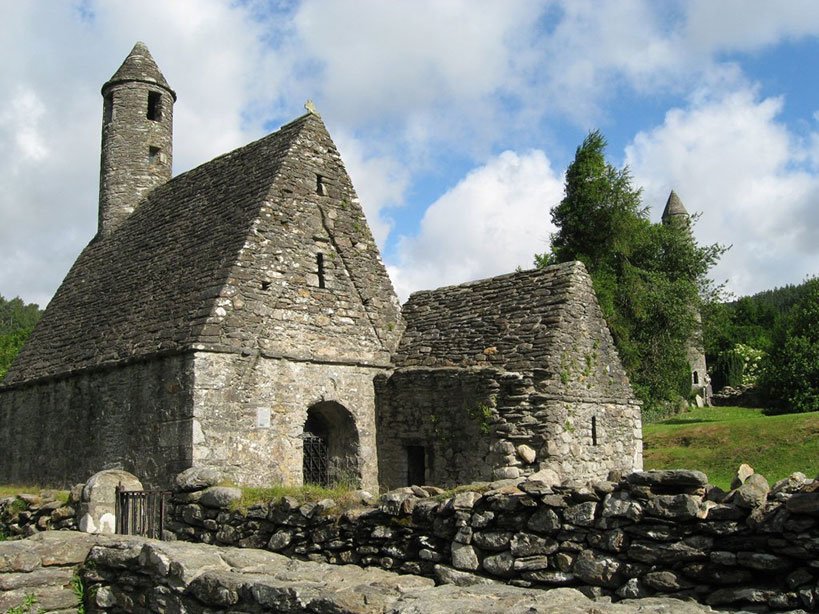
x: 41, y: 571
x: 152, y: 576
x: 27, y: 514
x: 663, y: 533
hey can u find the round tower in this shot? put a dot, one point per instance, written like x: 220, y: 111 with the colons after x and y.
x: 137, y: 136
x: 675, y: 212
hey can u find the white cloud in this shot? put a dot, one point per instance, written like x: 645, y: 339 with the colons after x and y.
x: 399, y: 57
x: 19, y: 124
x: 380, y: 182
x: 748, y: 25
x: 50, y: 127
x: 494, y: 220
x: 733, y: 161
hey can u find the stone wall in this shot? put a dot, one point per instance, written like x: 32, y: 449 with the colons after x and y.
x: 652, y: 533
x: 42, y: 571
x: 27, y: 514
x: 250, y: 411
x: 136, y: 416
x: 483, y: 424
x: 131, y: 576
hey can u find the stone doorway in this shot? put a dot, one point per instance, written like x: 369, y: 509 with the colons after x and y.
x: 331, y: 451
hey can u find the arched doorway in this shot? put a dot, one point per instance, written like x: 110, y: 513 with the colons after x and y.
x: 330, y: 446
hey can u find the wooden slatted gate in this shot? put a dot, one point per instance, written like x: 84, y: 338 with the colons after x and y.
x: 140, y: 512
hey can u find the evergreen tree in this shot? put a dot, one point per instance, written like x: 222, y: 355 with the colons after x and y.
x: 647, y: 276
x: 790, y: 376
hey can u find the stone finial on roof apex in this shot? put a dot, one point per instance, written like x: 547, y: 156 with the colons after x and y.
x: 674, y: 207
x: 139, y: 66
x: 311, y: 107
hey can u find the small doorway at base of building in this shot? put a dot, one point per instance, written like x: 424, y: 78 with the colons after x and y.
x: 331, y: 451
x: 416, y: 465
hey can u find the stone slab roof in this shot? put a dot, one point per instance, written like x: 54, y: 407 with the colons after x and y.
x: 158, y: 283
x: 545, y: 320
x: 674, y: 206
x: 139, y: 66
x: 495, y: 321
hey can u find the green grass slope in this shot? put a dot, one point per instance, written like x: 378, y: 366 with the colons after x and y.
x: 717, y: 440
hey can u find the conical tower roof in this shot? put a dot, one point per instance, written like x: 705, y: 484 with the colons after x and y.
x: 674, y: 207
x: 139, y: 66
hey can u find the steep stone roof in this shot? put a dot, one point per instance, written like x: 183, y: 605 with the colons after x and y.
x: 187, y: 269
x: 139, y: 66
x: 544, y: 320
x: 674, y: 206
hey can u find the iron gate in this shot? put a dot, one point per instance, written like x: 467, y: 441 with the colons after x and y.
x: 140, y: 512
x: 315, y: 460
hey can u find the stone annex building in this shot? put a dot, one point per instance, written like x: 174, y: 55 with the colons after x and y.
x: 239, y: 315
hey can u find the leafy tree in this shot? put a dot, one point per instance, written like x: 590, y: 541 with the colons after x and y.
x: 756, y: 321
x: 17, y: 320
x: 647, y: 277
x: 790, y: 377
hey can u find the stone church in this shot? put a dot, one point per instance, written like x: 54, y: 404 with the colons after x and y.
x: 239, y: 315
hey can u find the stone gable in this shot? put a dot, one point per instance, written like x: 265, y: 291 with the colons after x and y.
x: 242, y: 230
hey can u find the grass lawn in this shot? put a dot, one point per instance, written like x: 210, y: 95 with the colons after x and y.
x: 11, y: 490
x: 717, y: 440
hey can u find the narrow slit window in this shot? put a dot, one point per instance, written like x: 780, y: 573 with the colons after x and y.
x: 154, y: 106
x: 594, y: 430
x: 320, y: 269
x: 696, y: 378
x: 108, y: 108
x: 320, y: 189
x: 154, y: 155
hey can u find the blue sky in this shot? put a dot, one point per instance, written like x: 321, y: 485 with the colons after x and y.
x: 456, y: 118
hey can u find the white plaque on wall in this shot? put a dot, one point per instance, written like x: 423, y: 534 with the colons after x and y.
x: 262, y: 417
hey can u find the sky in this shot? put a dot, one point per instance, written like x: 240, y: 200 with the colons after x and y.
x: 456, y: 119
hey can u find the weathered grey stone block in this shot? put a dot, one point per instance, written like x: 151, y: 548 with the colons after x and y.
x: 464, y: 557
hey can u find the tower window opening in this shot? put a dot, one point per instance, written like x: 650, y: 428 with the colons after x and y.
x: 320, y: 269
x: 696, y: 377
x: 594, y: 430
x: 154, y: 155
x: 108, y: 108
x: 154, y: 106
x: 320, y: 189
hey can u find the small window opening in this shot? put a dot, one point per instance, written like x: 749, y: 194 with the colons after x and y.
x: 696, y: 378
x: 154, y: 106
x: 594, y: 430
x: 154, y: 155
x: 320, y: 189
x: 265, y: 285
x: 108, y: 108
x: 320, y: 269
x: 416, y: 466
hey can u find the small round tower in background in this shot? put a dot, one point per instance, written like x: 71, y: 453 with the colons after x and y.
x: 137, y: 137
x: 675, y: 213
